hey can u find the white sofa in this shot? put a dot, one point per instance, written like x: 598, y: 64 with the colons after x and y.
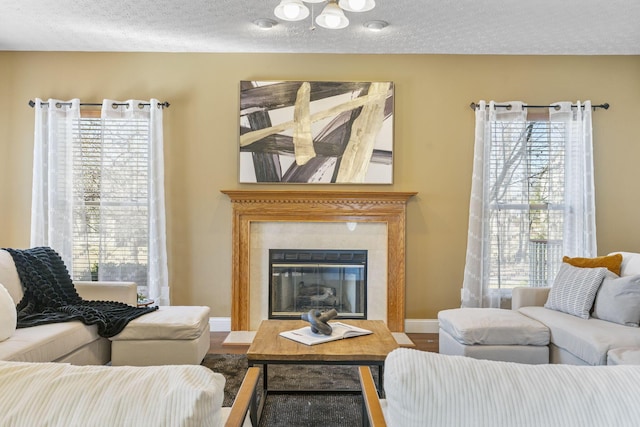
x: 63, y: 395
x: 71, y: 342
x: 171, y: 335
x: 430, y: 389
x: 578, y: 341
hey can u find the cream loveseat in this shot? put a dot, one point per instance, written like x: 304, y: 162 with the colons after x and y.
x: 611, y: 329
x: 63, y: 395
x: 429, y: 389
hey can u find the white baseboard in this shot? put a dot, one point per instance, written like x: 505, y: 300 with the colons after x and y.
x: 220, y: 324
x: 421, y: 326
x: 415, y: 326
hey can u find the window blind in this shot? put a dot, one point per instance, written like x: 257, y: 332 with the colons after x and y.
x: 526, y: 186
x: 111, y: 199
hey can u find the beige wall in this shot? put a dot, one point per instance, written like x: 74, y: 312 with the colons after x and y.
x: 433, y: 145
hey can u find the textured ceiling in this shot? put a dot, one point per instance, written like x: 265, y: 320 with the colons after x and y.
x: 530, y: 27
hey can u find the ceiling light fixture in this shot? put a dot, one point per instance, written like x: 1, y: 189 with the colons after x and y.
x: 265, y: 24
x: 291, y: 10
x: 375, y: 25
x: 332, y: 16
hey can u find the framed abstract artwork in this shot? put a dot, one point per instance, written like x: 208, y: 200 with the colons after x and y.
x: 316, y: 132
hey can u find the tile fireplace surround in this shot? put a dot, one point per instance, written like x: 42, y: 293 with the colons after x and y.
x: 251, y: 206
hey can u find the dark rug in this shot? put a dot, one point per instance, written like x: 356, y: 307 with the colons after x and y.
x: 287, y: 410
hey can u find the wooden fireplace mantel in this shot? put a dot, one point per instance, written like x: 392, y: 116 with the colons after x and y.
x: 318, y: 206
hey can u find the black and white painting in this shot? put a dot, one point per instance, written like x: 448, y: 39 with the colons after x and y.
x: 316, y: 132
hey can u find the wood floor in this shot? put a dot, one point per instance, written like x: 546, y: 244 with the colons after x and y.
x: 424, y: 342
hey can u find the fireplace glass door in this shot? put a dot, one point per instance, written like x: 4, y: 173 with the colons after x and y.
x: 302, y: 280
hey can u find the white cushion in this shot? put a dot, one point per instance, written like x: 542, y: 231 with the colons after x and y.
x: 167, y: 323
x: 57, y: 394
x: 492, y: 326
x: 574, y: 289
x: 587, y: 339
x: 618, y: 300
x: 630, y: 263
x: 9, y: 276
x: 47, y: 343
x: 624, y: 356
x: 8, y: 314
x: 533, y: 354
x: 430, y: 389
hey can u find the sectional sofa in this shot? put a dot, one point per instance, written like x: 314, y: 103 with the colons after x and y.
x: 70, y: 342
x: 170, y: 335
x: 608, y: 331
x: 591, y: 316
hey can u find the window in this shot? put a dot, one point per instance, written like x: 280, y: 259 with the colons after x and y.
x: 110, y: 230
x: 526, y: 187
x: 532, y: 197
x: 98, y: 191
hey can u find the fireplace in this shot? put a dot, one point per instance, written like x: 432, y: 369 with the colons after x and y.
x: 256, y: 209
x: 301, y: 280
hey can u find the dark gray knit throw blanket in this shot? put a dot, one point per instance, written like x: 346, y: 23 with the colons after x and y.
x: 50, y: 296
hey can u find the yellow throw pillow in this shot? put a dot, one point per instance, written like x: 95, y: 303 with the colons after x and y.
x: 612, y: 262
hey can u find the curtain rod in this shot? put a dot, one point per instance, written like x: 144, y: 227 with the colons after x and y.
x: 474, y: 106
x: 99, y: 104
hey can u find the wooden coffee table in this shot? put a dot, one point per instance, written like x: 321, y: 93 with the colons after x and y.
x: 269, y: 348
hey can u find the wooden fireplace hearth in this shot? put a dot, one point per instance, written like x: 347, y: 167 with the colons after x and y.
x: 318, y: 206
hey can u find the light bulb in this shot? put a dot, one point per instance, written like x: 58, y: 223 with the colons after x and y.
x: 291, y: 10
x: 357, y: 5
x: 332, y: 21
x: 332, y: 17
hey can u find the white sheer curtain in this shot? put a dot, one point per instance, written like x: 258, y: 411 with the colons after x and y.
x: 579, y: 237
x: 475, y: 289
x: 483, y: 263
x: 116, y: 162
x: 52, y: 197
x: 129, y: 113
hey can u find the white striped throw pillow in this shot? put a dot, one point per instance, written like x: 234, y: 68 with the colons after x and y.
x: 574, y: 289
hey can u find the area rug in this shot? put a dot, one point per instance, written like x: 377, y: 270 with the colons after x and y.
x: 286, y: 410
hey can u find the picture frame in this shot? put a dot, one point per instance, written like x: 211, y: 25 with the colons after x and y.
x: 316, y: 132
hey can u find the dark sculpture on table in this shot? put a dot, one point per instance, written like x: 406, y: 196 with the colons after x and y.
x: 318, y: 320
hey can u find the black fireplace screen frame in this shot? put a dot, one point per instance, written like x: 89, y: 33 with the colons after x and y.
x: 309, y: 258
